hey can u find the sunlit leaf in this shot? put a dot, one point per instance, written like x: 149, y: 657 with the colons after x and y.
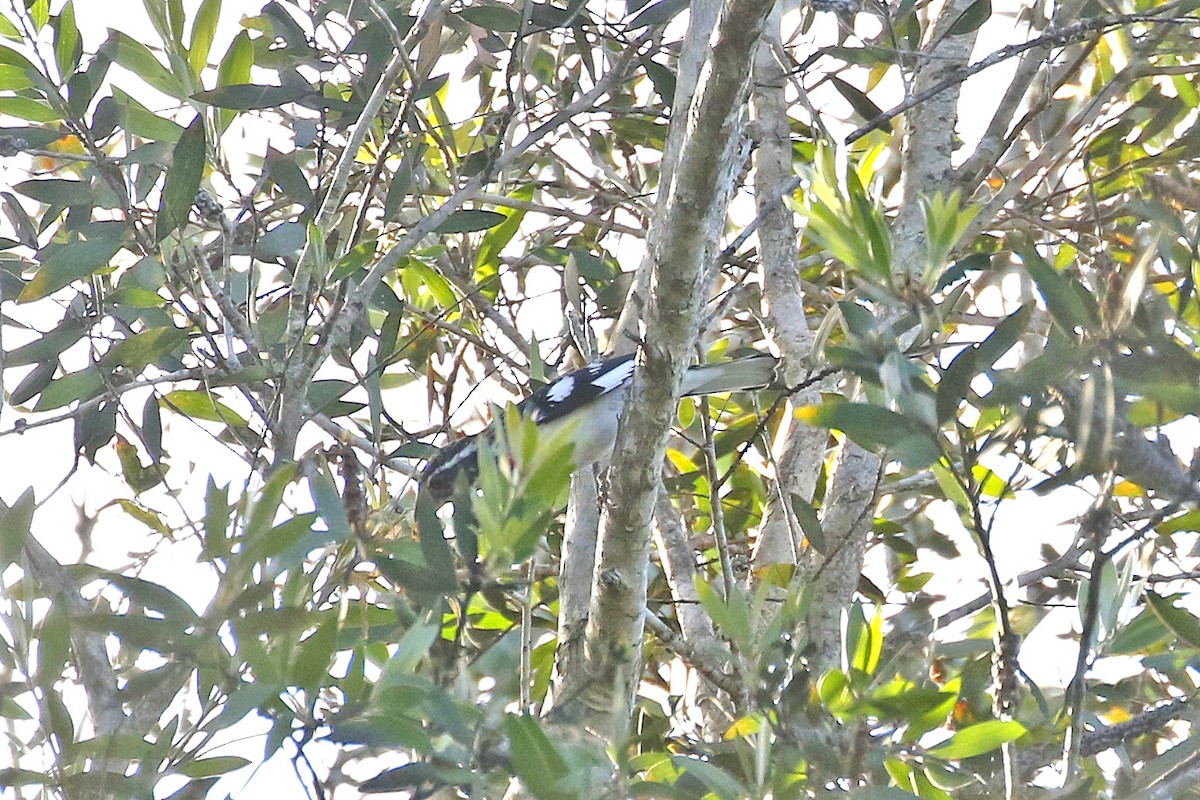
x: 979, y: 739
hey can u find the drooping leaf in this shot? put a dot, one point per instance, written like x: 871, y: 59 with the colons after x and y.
x: 1182, y: 623
x: 535, y: 757
x: 183, y: 180
x: 863, y: 105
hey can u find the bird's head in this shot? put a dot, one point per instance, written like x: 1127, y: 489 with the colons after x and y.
x: 440, y: 475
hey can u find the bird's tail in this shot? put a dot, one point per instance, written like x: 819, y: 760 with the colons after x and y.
x: 739, y: 374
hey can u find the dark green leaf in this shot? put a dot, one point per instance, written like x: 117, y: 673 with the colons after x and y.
x: 67, y: 45
x: 15, y: 521
x: 657, y: 14
x: 711, y: 776
x: 535, y: 758
x: 1182, y: 623
x: 311, y: 665
x: 214, y: 765
x: 183, y: 180
x: 863, y: 106
x: 974, y: 16
x: 152, y: 428
x: 48, y: 346
x: 154, y: 596
x: 79, y: 258
x: 810, y: 523
x: 134, y: 56
x: 33, y: 383
x: 70, y: 388
x: 874, y: 427
x: 57, y: 191
x: 139, y: 351
x: 249, y: 97
x: 470, y: 220
x: 290, y: 178
x: 330, y: 505
x: 1071, y: 305
x: 54, y: 643
x: 502, y: 19
x: 434, y: 546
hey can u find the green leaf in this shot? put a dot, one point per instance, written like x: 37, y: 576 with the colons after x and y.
x: 15, y: 521
x: 1071, y: 305
x: 54, y: 642
x: 217, y: 511
x: 213, y: 766
x: 976, y: 359
x: 311, y: 665
x: 863, y: 106
x: 410, y: 650
x: 979, y: 739
x: 9, y: 31
x: 731, y: 615
x: 329, y: 504
x: 658, y: 13
x: 28, y: 109
x: 70, y: 388
x: 713, y: 777
x: 204, y: 27
x: 57, y: 191
x: 974, y: 16
x: 134, y: 56
x: 881, y: 793
x: 152, y: 428
x: 874, y: 427
x: 33, y: 383
x: 67, y: 45
x: 154, y: 596
x: 13, y: 78
x: 535, y: 758
x: 235, y: 69
x: 496, y: 239
x: 810, y: 523
x: 201, y: 405
x: 140, y: 350
x: 864, y: 641
x: 250, y: 97
x: 183, y: 179
x: 501, y: 19
x: 144, y: 123
x: 263, y: 512
x: 469, y: 220
x: 79, y: 258
x: 1182, y: 623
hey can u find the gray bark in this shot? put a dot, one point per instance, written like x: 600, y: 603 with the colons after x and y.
x: 684, y: 234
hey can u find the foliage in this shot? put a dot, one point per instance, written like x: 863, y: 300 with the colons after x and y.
x: 257, y: 263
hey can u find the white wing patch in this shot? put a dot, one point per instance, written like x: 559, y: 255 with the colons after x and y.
x: 615, y: 377
x: 561, y: 389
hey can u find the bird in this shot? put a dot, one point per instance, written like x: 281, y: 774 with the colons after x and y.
x: 589, y: 402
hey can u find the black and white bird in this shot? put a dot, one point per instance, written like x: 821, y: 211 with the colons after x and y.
x: 589, y: 401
